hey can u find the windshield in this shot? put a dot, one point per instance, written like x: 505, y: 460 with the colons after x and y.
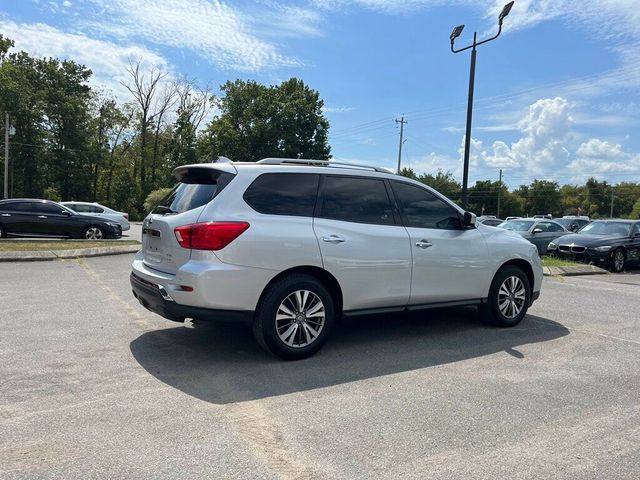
x: 516, y: 225
x: 607, y: 228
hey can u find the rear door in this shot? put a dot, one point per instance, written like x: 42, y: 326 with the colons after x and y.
x: 197, y: 187
x: 362, y: 243
x: 15, y: 216
x: 450, y: 263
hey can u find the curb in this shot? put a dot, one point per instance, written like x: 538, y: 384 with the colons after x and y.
x: 35, y: 256
x: 573, y: 270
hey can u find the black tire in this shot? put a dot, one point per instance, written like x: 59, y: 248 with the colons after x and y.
x: 265, y: 325
x: 99, y: 231
x: 492, y: 312
x: 618, y: 260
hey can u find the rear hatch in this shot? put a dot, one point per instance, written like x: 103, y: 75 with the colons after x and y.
x: 198, y: 185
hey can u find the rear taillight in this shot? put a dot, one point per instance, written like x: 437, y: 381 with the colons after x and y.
x: 126, y: 216
x: 209, y: 235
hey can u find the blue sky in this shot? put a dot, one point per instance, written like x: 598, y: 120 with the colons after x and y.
x: 557, y: 95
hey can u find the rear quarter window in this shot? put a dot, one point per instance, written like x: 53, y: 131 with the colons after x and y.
x: 283, y: 194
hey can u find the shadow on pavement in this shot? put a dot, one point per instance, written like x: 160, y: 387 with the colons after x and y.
x: 223, y: 364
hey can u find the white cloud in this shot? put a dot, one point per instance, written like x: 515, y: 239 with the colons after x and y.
x: 598, y: 158
x: 214, y: 30
x: 106, y: 59
x: 337, y: 109
x: 546, y: 130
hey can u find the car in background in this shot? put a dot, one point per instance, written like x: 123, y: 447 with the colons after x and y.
x: 97, y: 210
x: 538, y: 231
x: 548, y: 216
x: 25, y: 217
x: 511, y: 218
x: 610, y: 243
x: 489, y: 220
x: 571, y: 223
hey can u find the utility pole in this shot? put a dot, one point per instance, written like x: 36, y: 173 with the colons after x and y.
x: 472, y: 75
x: 611, y: 211
x: 6, y: 154
x: 402, y: 121
x: 499, y: 192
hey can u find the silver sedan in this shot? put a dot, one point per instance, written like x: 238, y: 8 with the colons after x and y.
x: 538, y: 231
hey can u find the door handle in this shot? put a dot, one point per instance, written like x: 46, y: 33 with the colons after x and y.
x: 42, y: 216
x: 6, y: 215
x: 424, y: 244
x: 333, y: 239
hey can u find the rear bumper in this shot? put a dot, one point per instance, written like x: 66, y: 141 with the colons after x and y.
x: 157, y: 300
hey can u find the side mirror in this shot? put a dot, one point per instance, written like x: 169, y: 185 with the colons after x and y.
x: 469, y: 219
x: 536, y: 230
x: 65, y: 213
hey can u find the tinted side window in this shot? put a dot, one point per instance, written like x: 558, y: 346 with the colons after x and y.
x: 361, y: 200
x: 283, y: 194
x: 423, y: 209
x: 46, y: 209
x: 13, y: 206
x: 552, y: 227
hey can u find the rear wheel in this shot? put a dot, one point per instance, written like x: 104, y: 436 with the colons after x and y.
x: 93, y: 232
x: 509, y: 297
x: 295, y: 317
x: 618, y: 260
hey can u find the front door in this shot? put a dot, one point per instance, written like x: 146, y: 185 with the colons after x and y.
x: 362, y: 243
x: 450, y: 263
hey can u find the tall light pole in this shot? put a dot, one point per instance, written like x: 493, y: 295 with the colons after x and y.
x: 402, y: 121
x: 472, y: 74
x: 7, y: 127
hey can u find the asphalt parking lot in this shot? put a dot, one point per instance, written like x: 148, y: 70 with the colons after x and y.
x: 94, y: 386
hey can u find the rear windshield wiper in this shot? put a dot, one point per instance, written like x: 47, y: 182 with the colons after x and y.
x: 162, y: 210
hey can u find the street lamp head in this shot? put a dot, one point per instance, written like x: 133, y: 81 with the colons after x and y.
x: 505, y: 11
x: 456, y: 32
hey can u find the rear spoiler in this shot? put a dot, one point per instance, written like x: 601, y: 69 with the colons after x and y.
x: 202, y: 170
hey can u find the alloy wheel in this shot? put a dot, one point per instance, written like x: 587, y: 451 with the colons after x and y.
x: 300, y: 318
x: 511, y: 297
x: 93, y: 233
x: 618, y: 261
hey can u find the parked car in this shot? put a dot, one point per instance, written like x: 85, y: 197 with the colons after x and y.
x: 97, y: 210
x: 610, y: 243
x: 537, y: 230
x: 548, y: 216
x: 573, y: 224
x: 490, y: 221
x: 511, y: 218
x: 291, y: 245
x: 25, y: 217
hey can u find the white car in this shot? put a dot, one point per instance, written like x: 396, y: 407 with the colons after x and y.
x: 291, y: 245
x: 97, y: 210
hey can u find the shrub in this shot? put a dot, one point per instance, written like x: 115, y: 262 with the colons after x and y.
x: 154, y: 198
x: 51, y: 193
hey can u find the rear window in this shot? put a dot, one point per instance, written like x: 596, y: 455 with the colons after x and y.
x: 283, y: 194
x: 197, y: 188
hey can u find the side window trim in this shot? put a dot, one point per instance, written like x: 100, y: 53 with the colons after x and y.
x: 320, y: 199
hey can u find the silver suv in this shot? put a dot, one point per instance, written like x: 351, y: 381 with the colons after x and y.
x: 292, y: 245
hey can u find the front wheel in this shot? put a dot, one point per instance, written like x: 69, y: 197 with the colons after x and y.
x: 618, y: 260
x: 93, y: 232
x: 295, y: 317
x: 509, y: 297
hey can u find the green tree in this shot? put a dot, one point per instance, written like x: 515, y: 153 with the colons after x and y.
x: 258, y: 121
x: 635, y: 212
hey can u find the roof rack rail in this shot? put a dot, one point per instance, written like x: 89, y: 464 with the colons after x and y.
x: 319, y: 163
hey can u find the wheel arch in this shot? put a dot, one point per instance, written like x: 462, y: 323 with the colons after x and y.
x: 522, y: 265
x: 328, y: 280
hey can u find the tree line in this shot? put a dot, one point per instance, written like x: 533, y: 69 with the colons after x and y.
x: 74, y: 142
x: 541, y: 197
